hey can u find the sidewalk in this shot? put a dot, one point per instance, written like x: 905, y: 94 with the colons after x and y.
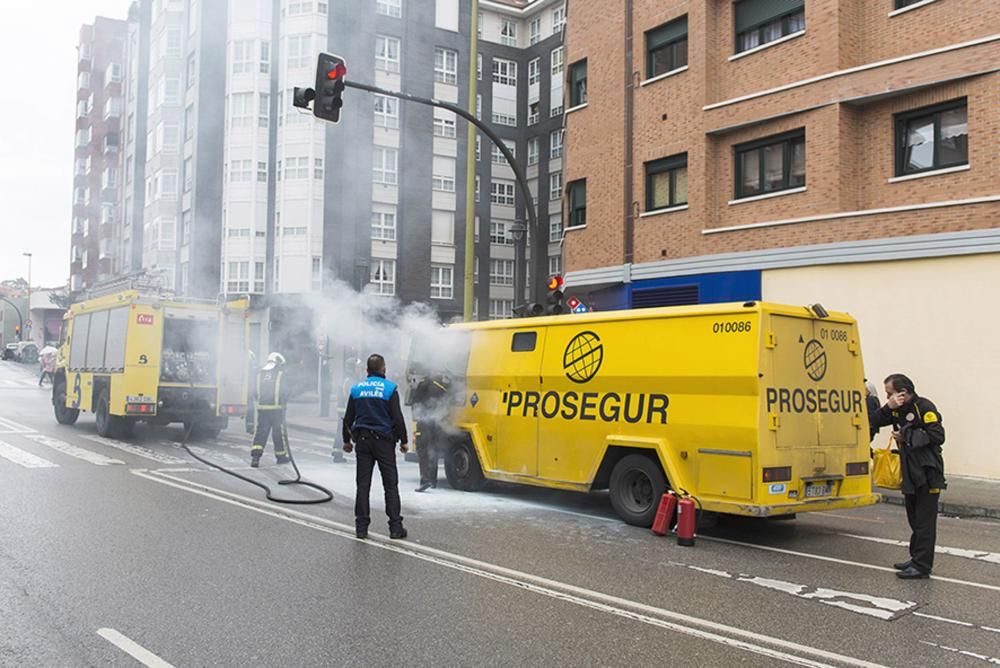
x: 304, y: 417
x: 967, y: 497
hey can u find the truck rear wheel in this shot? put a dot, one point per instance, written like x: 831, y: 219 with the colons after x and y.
x: 108, y: 425
x: 64, y: 415
x: 462, y: 468
x: 637, y: 483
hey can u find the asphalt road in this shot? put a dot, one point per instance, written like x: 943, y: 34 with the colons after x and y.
x: 130, y: 553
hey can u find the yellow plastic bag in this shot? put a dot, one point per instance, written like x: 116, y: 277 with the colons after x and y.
x: 886, y: 469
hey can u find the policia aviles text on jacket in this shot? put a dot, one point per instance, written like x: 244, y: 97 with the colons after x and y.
x: 920, y: 436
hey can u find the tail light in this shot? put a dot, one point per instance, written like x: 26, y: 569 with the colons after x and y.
x: 778, y: 474
x: 857, y: 468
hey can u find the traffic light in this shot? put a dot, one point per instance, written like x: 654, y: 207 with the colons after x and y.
x: 330, y: 73
x: 554, y: 305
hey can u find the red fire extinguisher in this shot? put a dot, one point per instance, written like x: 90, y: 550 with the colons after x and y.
x: 665, y: 514
x: 686, y: 521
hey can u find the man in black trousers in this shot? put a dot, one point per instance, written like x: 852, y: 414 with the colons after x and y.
x: 919, y: 434
x: 373, y: 422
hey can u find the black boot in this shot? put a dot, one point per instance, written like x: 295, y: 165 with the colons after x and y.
x: 255, y: 462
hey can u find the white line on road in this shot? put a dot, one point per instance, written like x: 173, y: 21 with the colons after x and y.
x: 73, y: 451
x: 10, y: 427
x: 964, y: 652
x: 24, y: 458
x: 133, y: 649
x: 956, y: 622
x: 704, y: 629
x: 137, y: 450
x: 846, y: 562
x: 978, y: 555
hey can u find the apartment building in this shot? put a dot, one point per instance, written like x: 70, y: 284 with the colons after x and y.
x: 395, y: 177
x: 97, y: 172
x: 798, y: 151
x: 173, y: 164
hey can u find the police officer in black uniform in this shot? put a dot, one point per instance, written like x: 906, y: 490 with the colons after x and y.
x: 430, y: 404
x: 919, y: 434
x: 373, y: 422
x: 271, y: 400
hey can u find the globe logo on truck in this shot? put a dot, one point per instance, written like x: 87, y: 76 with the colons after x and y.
x: 583, y: 357
x: 814, y: 359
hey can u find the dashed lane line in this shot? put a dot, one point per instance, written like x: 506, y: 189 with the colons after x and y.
x: 24, y: 458
x: 705, y: 629
x: 137, y: 450
x: 978, y: 555
x: 132, y: 648
x: 88, y: 456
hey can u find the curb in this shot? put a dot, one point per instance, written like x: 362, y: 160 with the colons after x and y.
x: 945, y: 508
x: 319, y: 431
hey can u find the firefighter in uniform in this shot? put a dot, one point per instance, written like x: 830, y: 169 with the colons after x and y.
x: 270, y: 411
x: 373, y: 422
x: 429, y: 408
x: 919, y: 434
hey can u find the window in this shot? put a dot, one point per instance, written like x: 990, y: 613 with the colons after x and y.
x: 556, y: 144
x: 555, y: 228
x: 445, y: 66
x: 504, y: 72
x: 534, y: 71
x: 558, y: 59
x: 444, y: 127
x: 263, y: 110
x: 300, y: 52
x: 501, y: 308
x: 533, y: 113
x: 535, y: 31
x: 295, y: 231
x: 667, y: 47
x: 383, y: 277
x: 479, y: 147
x: 666, y: 182
x: 81, y: 166
x: 113, y: 74
x: 503, y: 119
x: 384, y: 224
x: 555, y: 264
x: 240, y: 110
x: 477, y: 187
x: 384, y: 165
x: 238, y: 276
x: 479, y: 67
x: 168, y: 137
x: 771, y: 165
x: 192, y: 69
x: 188, y: 173
x: 318, y: 168
x: 392, y: 8
x: 578, y: 83
x: 533, y: 151
x: 501, y: 272
x: 261, y: 172
x: 523, y: 342
x: 317, y: 272
x: 189, y: 122
x: 442, y: 281
x: 172, y: 42
x: 497, y: 156
x: 443, y: 174
x: 498, y: 233
x: 577, y: 203
x: 258, y: 277
x: 83, y: 80
x: 168, y: 183
x: 386, y: 112
x: 761, y: 21
x: 265, y: 57
x: 299, y: 7
x: 169, y: 90
x: 240, y: 171
x: 479, y: 106
x: 386, y: 53
x: 297, y: 168
x: 243, y: 56
x: 508, y: 32
x: 502, y: 192
x: 558, y: 19
x: 932, y: 138
x: 555, y: 185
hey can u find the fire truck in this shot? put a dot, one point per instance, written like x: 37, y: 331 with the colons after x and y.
x: 140, y: 354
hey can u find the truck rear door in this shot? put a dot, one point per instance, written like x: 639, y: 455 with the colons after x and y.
x: 796, y: 362
x: 517, y: 425
x: 233, y: 359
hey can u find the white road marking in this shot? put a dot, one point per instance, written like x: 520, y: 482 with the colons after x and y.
x: 137, y: 450
x: 73, y: 451
x: 827, y: 513
x: 24, y: 458
x: 846, y: 562
x: 964, y: 652
x: 942, y: 619
x: 133, y: 649
x: 731, y: 636
x: 978, y: 555
x: 865, y: 604
x: 10, y: 427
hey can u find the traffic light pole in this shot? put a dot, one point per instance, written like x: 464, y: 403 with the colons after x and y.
x: 522, y: 181
x: 20, y: 320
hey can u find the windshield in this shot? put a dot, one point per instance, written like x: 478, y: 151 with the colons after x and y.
x: 189, y: 351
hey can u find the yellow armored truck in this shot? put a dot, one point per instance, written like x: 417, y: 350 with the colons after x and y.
x: 133, y: 356
x: 754, y: 409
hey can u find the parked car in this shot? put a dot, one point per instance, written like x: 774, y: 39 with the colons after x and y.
x: 9, y: 351
x: 26, y: 352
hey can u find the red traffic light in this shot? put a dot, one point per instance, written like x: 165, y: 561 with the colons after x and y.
x: 555, y: 282
x: 339, y: 70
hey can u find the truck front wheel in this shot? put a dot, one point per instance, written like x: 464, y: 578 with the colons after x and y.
x: 637, y: 483
x: 461, y: 467
x: 64, y: 415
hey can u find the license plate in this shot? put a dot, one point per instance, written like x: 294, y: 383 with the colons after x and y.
x: 818, y: 489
